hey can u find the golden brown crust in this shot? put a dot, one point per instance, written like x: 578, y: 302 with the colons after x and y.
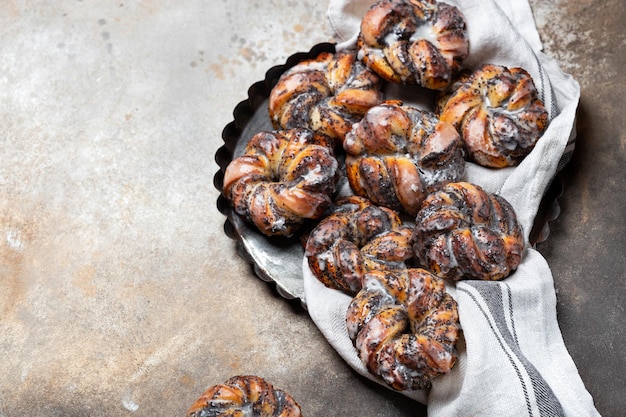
x: 326, y: 94
x: 404, y: 326
x: 463, y: 232
x: 398, y: 154
x: 498, y: 114
x: 356, y: 237
x: 282, y: 179
x: 246, y: 395
x: 414, y: 41
x: 442, y: 96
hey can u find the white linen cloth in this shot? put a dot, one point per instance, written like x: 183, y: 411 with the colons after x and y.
x: 512, y: 359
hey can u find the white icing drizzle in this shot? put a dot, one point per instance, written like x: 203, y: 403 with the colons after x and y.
x: 309, y: 66
x: 374, y: 285
x: 391, y: 38
x: 425, y: 31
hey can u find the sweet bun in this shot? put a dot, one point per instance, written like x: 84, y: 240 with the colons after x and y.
x: 326, y: 94
x: 246, y: 395
x: 398, y: 154
x: 356, y: 237
x: 283, y: 178
x: 498, y: 114
x: 414, y: 41
x: 404, y: 326
x: 464, y: 232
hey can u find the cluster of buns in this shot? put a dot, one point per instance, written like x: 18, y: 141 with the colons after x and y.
x: 409, y: 223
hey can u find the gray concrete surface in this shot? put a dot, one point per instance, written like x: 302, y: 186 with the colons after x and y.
x: 586, y: 247
x: 119, y: 292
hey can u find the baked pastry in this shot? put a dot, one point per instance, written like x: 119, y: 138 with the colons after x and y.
x: 356, y: 237
x: 282, y: 179
x: 404, y: 326
x: 246, y: 395
x: 398, y: 154
x: 498, y: 114
x: 442, y: 96
x: 464, y: 232
x: 326, y: 94
x: 414, y: 41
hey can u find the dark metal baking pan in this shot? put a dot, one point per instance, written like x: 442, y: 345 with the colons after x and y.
x: 279, y: 260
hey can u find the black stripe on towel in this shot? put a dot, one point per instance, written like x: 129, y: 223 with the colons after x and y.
x: 491, y: 298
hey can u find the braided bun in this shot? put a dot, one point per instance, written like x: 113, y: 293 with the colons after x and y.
x: 404, y: 326
x: 326, y: 94
x: 414, y: 41
x: 282, y: 179
x: 356, y: 237
x: 497, y: 113
x: 244, y: 396
x: 463, y: 232
x: 398, y: 154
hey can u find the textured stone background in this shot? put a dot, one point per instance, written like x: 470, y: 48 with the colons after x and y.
x: 586, y: 248
x: 120, y: 293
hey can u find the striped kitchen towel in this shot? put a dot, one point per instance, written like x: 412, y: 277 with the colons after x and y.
x: 513, y: 361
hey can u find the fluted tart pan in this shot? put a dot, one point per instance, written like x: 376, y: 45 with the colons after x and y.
x: 278, y: 260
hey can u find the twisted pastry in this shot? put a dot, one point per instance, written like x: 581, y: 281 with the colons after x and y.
x: 442, y: 96
x: 398, y: 154
x: 414, y: 41
x: 404, y: 326
x: 244, y: 396
x: 463, y: 232
x: 282, y: 179
x: 326, y: 94
x: 497, y: 113
x: 356, y: 237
